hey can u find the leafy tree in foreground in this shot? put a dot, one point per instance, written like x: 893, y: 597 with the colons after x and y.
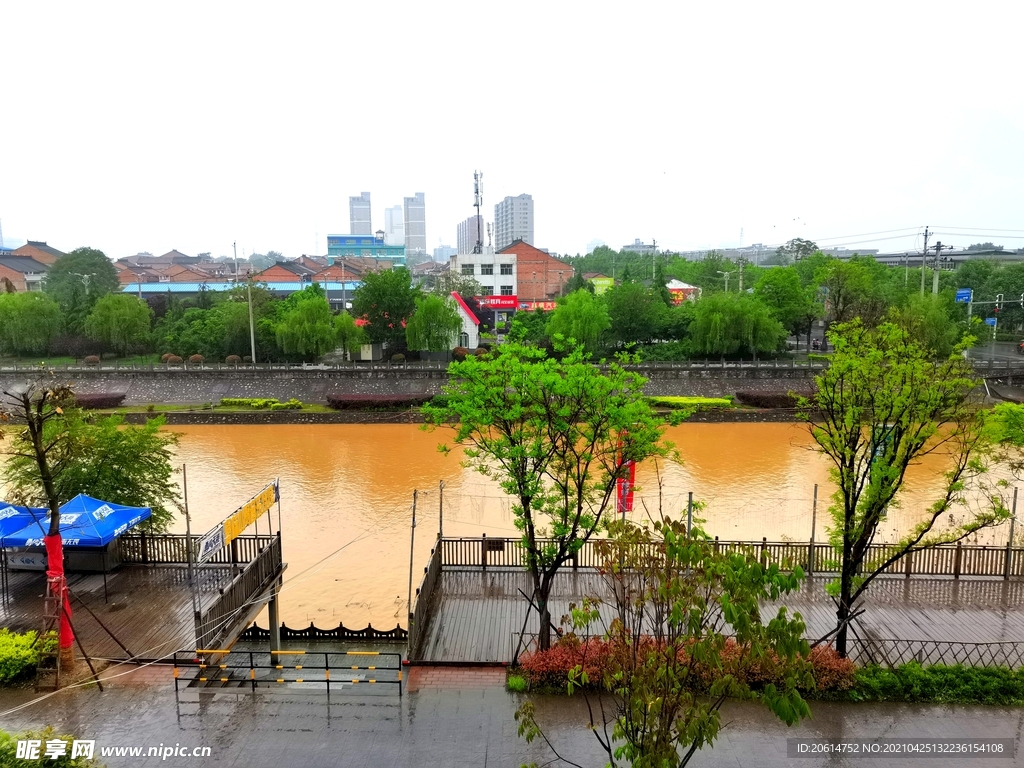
x: 434, y: 326
x: 556, y: 435
x: 105, y: 458
x: 28, y: 323
x: 77, y: 280
x: 686, y: 636
x: 882, y: 405
x: 386, y: 299
x: 582, y: 318
x: 120, y: 321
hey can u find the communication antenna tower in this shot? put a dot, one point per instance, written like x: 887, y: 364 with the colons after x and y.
x: 488, y: 234
x: 478, y: 199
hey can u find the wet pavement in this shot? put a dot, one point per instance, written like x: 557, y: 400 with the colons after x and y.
x: 445, y: 726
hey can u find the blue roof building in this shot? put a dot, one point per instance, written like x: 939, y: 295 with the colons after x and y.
x: 368, y: 246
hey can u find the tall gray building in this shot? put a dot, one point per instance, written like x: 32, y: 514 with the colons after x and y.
x: 359, y: 215
x: 394, y: 226
x: 513, y: 220
x: 415, y: 217
x: 469, y: 234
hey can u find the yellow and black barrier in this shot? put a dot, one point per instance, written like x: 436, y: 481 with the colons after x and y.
x: 309, y: 662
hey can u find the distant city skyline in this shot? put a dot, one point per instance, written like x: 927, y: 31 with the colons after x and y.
x: 862, y: 147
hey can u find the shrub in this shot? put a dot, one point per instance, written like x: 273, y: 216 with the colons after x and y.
x: 166, y: 356
x: 666, y: 352
x: 174, y: 360
x: 701, y: 403
x: 291, y: 405
x: 941, y: 684
x: 459, y: 353
x: 398, y: 358
x: 345, y: 402
x: 196, y: 359
x: 768, y: 399
x: 9, y: 750
x: 18, y: 655
x: 99, y: 400
x: 480, y: 351
x: 257, y: 403
x: 92, y: 360
x: 516, y: 684
x: 232, y: 359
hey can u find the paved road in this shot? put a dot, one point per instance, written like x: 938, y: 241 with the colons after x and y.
x: 457, y: 728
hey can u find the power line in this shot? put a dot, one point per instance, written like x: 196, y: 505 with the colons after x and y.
x: 981, y: 229
x: 865, y: 234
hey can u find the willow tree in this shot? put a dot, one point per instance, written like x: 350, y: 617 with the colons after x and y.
x: 556, y: 435
x: 434, y: 326
x: 883, y: 404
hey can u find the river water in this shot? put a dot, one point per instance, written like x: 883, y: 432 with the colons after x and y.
x: 346, y: 497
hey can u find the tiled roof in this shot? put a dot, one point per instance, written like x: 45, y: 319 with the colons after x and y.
x: 23, y: 264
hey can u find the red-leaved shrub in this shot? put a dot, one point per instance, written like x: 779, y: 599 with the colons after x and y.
x: 196, y: 359
x: 99, y: 400
x: 346, y: 402
x: 768, y: 399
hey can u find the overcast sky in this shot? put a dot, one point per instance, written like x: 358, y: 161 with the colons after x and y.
x: 144, y: 127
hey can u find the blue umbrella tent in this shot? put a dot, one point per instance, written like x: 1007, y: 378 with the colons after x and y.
x: 88, y: 527
x: 14, y: 518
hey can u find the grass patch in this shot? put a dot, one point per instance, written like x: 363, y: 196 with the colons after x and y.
x: 515, y: 683
x: 698, y: 403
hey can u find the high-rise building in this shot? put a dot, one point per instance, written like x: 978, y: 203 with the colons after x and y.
x: 444, y: 252
x: 513, y: 220
x: 359, y: 215
x: 470, y: 233
x: 415, y: 218
x: 394, y: 226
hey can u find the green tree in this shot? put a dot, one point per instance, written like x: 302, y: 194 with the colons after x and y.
x: 103, y: 458
x: 636, y: 314
x: 351, y: 337
x: 850, y: 292
x: 306, y: 327
x: 577, y: 283
x: 931, y: 321
x: 77, y: 280
x: 529, y: 328
x: 782, y: 293
x: 28, y: 323
x: 449, y: 281
x: 729, y: 324
x: 660, y: 286
x: 883, y: 404
x: 795, y: 250
x: 120, y: 321
x: 386, y: 300
x: 556, y: 436
x: 434, y: 326
x: 687, y: 634
x: 580, y: 317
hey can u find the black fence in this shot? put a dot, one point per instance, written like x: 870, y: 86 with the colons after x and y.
x: 341, y: 633
x: 172, y: 549
x: 894, y: 653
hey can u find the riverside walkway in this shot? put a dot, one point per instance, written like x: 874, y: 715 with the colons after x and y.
x: 473, y: 613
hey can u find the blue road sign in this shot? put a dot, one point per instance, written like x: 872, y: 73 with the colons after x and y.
x: 963, y: 295
x: 990, y: 321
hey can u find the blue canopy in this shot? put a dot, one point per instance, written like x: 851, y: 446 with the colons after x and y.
x: 84, y: 522
x: 14, y: 518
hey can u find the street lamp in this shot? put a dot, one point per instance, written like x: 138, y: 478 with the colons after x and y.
x: 726, y: 279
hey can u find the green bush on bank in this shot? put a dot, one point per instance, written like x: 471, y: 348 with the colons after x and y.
x: 699, y: 403
x: 18, y: 655
x: 939, y: 684
x: 257, y: 403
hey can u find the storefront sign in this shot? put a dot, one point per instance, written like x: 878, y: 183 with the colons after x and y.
x: 499, y: 302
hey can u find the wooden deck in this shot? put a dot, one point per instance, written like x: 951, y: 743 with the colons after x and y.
x: 148, y: 608
x: 477, y: 615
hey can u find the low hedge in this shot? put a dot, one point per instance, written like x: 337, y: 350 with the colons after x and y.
x: 99, y: 400
x: 768, y: 399
x: 290, y: 405
x: 19, y: 655
x: 257, y: 403
x: 550, y: 669
x: 939, y: 684
x: 700, y: 403
x: 347, y: 402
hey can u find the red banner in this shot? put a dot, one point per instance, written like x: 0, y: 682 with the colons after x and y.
x: 625, y: 487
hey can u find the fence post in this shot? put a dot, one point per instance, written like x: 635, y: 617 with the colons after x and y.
x: 956, y: 559
x: 483, y: 551
x: 764, y: 553
x: 907, y: 558
x: 145, y: 549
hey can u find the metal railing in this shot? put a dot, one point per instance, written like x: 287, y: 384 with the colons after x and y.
x: 254, y: 669
x: 172, y: 548
x: 234, y: 599
x: 419, y: 617
x: 894, y: 653
x: 946, y: 560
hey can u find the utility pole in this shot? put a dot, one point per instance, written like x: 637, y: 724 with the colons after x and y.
x: 726, y: 279
x: 924, y: 253
x: 742, y: 262
x: 939, y: 247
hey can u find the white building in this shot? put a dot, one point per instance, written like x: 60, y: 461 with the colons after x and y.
x: 415, y: 222
x: 513, y: 220
x: 359, y: 215
x: 444, y: 252
x: 496, y: 272
x: 394, y: 226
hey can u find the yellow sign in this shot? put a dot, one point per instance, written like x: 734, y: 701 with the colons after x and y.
x: 249, y: 513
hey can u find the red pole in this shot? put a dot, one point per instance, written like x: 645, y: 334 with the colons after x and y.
x: 55, y: 577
